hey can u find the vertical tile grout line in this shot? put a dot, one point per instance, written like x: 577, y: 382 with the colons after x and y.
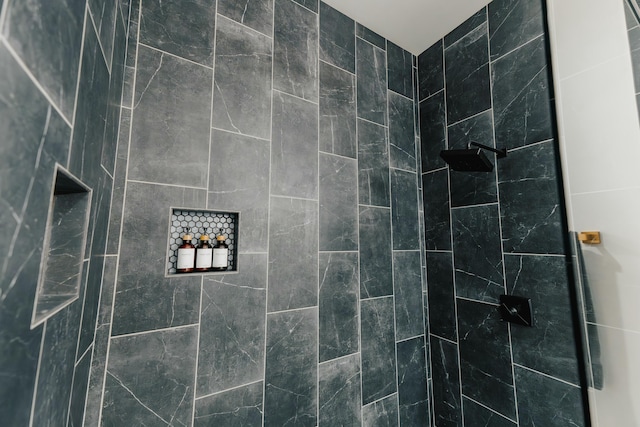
x: 35, y: 388
x: 266, y: 288
x: 504, y: 268
x: 124, y: 194
x: 318, y: 220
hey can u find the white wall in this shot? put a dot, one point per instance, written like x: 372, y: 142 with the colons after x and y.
x: 600, y: 149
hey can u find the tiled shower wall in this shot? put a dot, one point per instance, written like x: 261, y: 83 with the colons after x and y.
x: 61, y: 74
x: 305, y: 122
x: 496, y: 233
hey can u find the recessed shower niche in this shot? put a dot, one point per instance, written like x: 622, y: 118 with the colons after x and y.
x: 196, y: 223
x: 63, y: 246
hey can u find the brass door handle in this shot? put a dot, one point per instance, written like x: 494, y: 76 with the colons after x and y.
x: 589, y: 237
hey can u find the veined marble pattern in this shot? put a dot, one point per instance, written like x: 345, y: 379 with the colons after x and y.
x: 382, y: 413
x: 371, y: 77
x: 256, y: 14
x: 339, y: 392
x: 337, y: 38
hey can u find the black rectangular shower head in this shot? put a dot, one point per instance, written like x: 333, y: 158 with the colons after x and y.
x: 467, y: 160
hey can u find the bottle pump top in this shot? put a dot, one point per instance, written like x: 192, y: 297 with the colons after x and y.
x: 187, y: 238
x: 221, y: 238
x: 204, y: 237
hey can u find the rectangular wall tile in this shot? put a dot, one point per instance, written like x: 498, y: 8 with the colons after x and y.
x: 338, y: 305
x: 256, y: 14
x: 185, y: 30
x: 404, y: 210
x: 238, y: 407
x: 337, y: 38
x: 402, y: 141
x: 485, y: 357
x: 338, y: 203
x: 478, y: 274
x: 373, y: 164
x: 375, y: 256
x: 294, y: 147
x: 119, y: 179
x: 441, y: 300
x: 339, y: 392
x: 431, y: 71
x: 141, y: 281
x: 231, y: 349
x: 382, y: 413
x: 372, y: 37
x: 437, y: 218
x: 412, y: 383
x: 150, y: 378
x: 530, y: 202
x: 447, y: 403
x: 295, y: 55
x: 171, y: 120
x: 378, y: 349
x: 337, y: 111
x: 79, y: 391
x: 241, y: 183
x: 293, y: 254
x: 476, y: 415
x: 474, y: 21
x: 513, y: 23
x: 521, y: 96
x: 400, y: 70
x: 371, y: 77
x: 291, y: 371
x: 467, y: 71
x: 242, y: 87
x: 407, y: 291
x: 433, y: 131
x: 549, y: 346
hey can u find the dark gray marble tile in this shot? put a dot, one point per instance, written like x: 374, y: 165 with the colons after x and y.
x: 544, y: 401
x: 549, y: 346
x: 109, y: 147
x: 337, y: 38
x: 435, y: 187
x: 402, y: 140
x: 375, y: 253
x: 291, y: 372
x: 104, y: 18
x: 338, y: 305
x: 404, y: 210
x: 467, y: 75
x: 521, y: 96
x: 119, y: 179
x: 441, y: 301
x: 371, y: 78
x: 477, y: 254
x: 412, y: 382
x: 91, y: 112
x: 97, y: 376
x: 293, y: 254
x: 294, y: 153
x: 79, y: 391
x: 373, y: 164
x: 256, y: 14
x: 634, y: 45
x: 145, y: 299
x: 239, y: 181
x: 183, y: 29
x: 52, y: 53
x: 473, y: 188
x: 383, y: 413
x: 446, y: 383
x: 378, y: 349
x: 431, y: 70
x: 433, y: 131
x: 337, y: 111
x: 339, y: 392
x: 473, y: 22
x: 372, y: 37
x: 231, y: 349
x: 630, y: 17
x: 34, y: 137
x: 407, y: 290
x: 172, y: 114
x: 295, y: 50
x: 312, y: 5
x: 150, y: 378
x: 240, y: 407
x: 400, y: 72
x: 132, y: 50
x: 242, y: 86
x: 91, y: 301
x: 338, y: 203
x: 55, y: 377
x: 512, y: 23
x: 478, y: 416
x: 485, y: 357
x: 531, y: 224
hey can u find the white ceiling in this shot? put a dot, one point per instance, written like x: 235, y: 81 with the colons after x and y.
x: 411, y: 24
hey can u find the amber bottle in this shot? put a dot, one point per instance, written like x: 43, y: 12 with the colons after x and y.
x: 186, y: 255
x: 204, y: 254
x: 220, y: 255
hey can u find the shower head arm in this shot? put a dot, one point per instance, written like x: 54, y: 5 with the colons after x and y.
x: 500, y: 153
